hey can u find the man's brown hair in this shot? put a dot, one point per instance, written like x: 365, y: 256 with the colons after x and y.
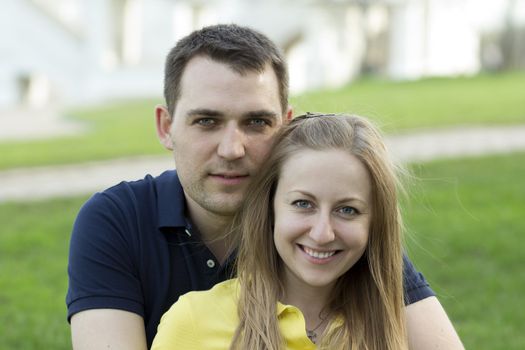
x: 241, y: 48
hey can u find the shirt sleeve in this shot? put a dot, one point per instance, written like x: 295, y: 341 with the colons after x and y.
x: 177, y: 329
x: 101, y: 270
x: 415, y: 285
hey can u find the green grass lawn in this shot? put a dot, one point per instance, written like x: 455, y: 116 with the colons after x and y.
x: 116, y: 130
x: 467, y: 235
x: 33, y: 268
x: 466, y: 224
x: 127, y: 128
x: 427, y: 103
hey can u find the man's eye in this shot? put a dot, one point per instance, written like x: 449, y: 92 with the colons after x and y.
x: 302, y: 204
x: 205, y: 122
x: 348, y: 211
x: 258, y: 122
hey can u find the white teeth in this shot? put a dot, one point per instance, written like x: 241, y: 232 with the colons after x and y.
x: 318, y: 255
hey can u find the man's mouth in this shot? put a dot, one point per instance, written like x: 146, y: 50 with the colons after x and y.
x: 229, y: 178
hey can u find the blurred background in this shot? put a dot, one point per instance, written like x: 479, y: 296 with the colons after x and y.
x: 79, y: 81
x: 77, y: 52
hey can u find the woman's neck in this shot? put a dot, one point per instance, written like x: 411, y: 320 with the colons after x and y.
x: 312, y: 301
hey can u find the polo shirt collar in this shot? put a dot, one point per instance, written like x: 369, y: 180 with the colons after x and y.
x: 171, y: 203
x: 281, y: 308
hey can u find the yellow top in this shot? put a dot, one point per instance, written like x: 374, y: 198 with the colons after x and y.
x: 208, y: 320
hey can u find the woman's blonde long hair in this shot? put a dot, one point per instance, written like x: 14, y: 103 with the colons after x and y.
x: 369, y: 297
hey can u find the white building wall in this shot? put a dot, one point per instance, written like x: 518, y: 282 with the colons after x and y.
x: 162, y: 20
x: 8, y: 85
x: 325, y: 42
x: 135, y: 69
x: 328, y: 43
x: 443, y: 37
x: 452, y: 42
x: 407, y: 36
x: 38, y: 48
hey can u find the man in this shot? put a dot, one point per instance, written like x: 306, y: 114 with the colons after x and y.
x: 138, y: 246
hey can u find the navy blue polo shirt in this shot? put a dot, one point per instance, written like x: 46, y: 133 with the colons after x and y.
x: 133, y: 248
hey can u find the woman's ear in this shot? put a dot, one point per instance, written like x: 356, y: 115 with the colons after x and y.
x: 163, y: 121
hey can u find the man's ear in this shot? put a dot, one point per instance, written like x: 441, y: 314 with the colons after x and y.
x: 289, y: 114
x: 163, y: 122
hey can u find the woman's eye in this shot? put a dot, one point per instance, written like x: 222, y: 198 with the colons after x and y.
x: 303, y: 204
x: 348, y: 210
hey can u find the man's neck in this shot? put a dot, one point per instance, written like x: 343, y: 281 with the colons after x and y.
x: 213, y: 230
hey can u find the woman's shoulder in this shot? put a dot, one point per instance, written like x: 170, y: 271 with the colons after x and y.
x: 225, y: 288
x: 223, y: 294
x: 200, y: 320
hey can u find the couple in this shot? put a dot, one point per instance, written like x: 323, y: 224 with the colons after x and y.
x: 138, y: 246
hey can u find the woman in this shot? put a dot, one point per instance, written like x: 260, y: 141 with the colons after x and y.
x: 320, y: 258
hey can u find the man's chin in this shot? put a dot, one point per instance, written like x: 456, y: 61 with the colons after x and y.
x: 228, y: 205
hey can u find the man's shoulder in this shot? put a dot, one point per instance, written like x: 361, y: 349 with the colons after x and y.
x: 115, y: 235
x: 139, y: 192
x: 415, y: 285
x: 123, y: 203
x: 148, y: 184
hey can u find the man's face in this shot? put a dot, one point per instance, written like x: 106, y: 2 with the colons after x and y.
x: 223, y: 125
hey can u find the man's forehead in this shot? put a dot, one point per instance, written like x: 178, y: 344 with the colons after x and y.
x: 213, y: 85
x: 205, y: 66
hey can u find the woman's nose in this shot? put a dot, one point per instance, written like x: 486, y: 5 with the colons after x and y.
x: 322, y: 231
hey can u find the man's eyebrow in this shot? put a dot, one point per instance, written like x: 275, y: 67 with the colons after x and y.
x: 206, y: 112
x: 262, y: 113
x: 203, y: 112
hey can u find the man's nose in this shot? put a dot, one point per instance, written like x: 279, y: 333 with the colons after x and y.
x: 322, y: 231
x: 231, y: 145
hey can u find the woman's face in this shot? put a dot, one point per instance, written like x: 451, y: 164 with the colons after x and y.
x: 323, y: 212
